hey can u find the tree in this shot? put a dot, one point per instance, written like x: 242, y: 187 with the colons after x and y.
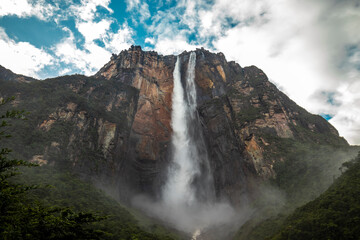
x: 24, y: 219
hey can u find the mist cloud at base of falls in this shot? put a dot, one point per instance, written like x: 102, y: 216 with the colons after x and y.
x: 197, y: 217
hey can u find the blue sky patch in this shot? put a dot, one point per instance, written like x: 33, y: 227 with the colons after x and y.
x: 327, y: 116
x: 38, y: 33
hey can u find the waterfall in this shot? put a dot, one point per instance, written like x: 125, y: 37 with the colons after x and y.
x: 188, y: 199
x: 188, y: 176
x: 190, y: 85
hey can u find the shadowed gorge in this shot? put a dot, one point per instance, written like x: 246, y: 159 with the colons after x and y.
x: 203, y: 145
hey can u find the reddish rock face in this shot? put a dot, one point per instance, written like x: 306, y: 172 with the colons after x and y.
x: 152, y: 75
x: 238, y: 108
x: 115, y: 127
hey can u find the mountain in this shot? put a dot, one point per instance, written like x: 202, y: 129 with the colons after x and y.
x: 8, y: 75
x: 114, y: 128
x: 241, y: 111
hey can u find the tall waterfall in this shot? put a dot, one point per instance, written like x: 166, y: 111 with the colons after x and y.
x: 188, y: 200
x: 188, y: 177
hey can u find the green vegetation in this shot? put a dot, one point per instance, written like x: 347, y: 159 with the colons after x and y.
x: 305, y: 171
x: 20, y: 219
x: 333, y: 215
x: 70, y: 209
x: 249, y: 114
x: 68, y: 191
x: 317, y: 137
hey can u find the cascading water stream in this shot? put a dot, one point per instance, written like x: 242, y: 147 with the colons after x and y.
x: 178, y: 188
x: 189, y: 172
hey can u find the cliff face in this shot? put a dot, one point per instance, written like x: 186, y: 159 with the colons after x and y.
x: 240, y: 110
x: 75, y: 122
x: 150, y: 133
x: 115, y: 127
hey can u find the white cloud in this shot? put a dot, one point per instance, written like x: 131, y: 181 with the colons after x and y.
x: 140, y: 8
x: 87, y: 9
x: 26, y: 8
x: 122, y: 39
x: 93, y: 30
x: 65, y: 71
x: 174, y: 45
x: 87, y: 57
x: 164, y: 24
x: 347, y: 115
x: 150, y: 40
x: 22, y: 57
x: 347, y: 122
x: 89, y: 60
x: 90, y: 57
x: 91, y: 23
x: 132, y: 4
x: 168, y: 37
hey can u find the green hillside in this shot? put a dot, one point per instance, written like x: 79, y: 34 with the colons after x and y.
x: 307, y: 173
x: 66, y: 190
x: 46, y: 202
x: 333, y: 215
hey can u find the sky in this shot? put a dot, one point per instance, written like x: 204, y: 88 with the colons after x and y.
x: 310, y: 49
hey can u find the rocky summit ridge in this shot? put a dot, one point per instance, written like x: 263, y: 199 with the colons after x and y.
x: 114, y: 128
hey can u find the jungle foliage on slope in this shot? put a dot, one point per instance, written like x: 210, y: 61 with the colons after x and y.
x: 306, y: 171
x: 333, y: 215
x: 68, y: 191
x: 20, y: 219
x: 70, y: 209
